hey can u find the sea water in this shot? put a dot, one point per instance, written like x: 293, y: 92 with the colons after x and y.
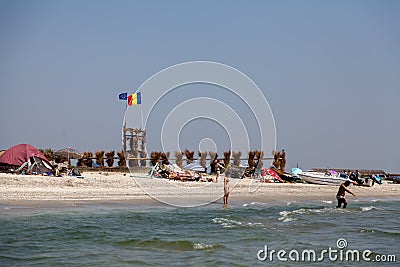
x: 243, y: 234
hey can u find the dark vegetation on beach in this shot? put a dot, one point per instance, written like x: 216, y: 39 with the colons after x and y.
x: 107, y: 159
x: 112, y: 161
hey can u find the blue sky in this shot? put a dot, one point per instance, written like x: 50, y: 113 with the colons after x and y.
x: 329, y: 69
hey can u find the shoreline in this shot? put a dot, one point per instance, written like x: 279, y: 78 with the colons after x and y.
x: 123, y: 190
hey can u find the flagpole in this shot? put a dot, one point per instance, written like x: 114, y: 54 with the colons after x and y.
x: 126, y: 108
x: 124, y: 128
x: 141, y: 113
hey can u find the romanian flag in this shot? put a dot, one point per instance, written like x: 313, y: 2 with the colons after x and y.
x: 134, y: 99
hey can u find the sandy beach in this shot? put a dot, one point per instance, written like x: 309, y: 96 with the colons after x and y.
x: 114, y: 219
x: 112, y: 188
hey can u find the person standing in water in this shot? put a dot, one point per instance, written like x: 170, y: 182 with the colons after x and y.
x: 340, y: 194
x: 226, y: 190
x: 219, y: 168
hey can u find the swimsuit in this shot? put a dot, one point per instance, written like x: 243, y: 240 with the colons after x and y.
x: 226, y: 186
x: 340, y: 198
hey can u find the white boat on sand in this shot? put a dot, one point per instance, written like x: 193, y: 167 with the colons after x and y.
x: 321, y: 178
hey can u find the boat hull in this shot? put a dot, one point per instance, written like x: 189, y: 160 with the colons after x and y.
x: 315, y: 178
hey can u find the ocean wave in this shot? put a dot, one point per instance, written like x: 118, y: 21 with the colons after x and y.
x: 379, y: 232
x: 255, y: 203
x: 254, y: 224
x: 368, y: 208
x: 227, y: 223
x: 286, y: 216
x: 174, y: 245
x: 5, y: 207
x: 127, y: 242
x: 204, y: 246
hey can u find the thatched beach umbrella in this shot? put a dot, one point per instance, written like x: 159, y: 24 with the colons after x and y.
x: 69, y: 153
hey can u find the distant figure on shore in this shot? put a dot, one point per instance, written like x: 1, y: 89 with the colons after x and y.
x: 219, y: 167
x: 345, y: 174
x: 376, y: 179
x: 283, y: 160
x: 355, y: 176
x: 226, y: 190
x: 340, y: 194
x: 279, y: 159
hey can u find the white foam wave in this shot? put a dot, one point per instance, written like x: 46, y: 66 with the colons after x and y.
x: 367, y: 231
x: 255, y: 203
x: 300, y: 211
x: 226, y: 223
x: 368, y: 208
x: 203, y: 246
x: 254, y: 224
x: 286, y: 216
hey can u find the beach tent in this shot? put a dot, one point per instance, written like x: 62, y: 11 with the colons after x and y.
x: 195, y: 166
x: 19, y: 154
x: 35, y: 165
x: 40, y: 165
x: 24, y: 155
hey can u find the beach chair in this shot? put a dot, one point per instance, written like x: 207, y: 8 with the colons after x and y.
x: 154, y: 170
x: 252, y: 172
x: 248, y: 172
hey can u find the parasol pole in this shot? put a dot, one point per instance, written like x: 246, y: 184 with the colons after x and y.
x: 68, y: 160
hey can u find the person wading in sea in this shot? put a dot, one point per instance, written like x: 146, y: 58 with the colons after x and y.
x: 219, y: 168
x: 226, y: 189
x: 340, y: 194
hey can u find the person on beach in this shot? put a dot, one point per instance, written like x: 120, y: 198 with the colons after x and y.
x: 340, y: 194
x: 344, y: 175
x: 355, y: 176
x: 226, y: 190
x: 219, y: 167
x: 376, y: 179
